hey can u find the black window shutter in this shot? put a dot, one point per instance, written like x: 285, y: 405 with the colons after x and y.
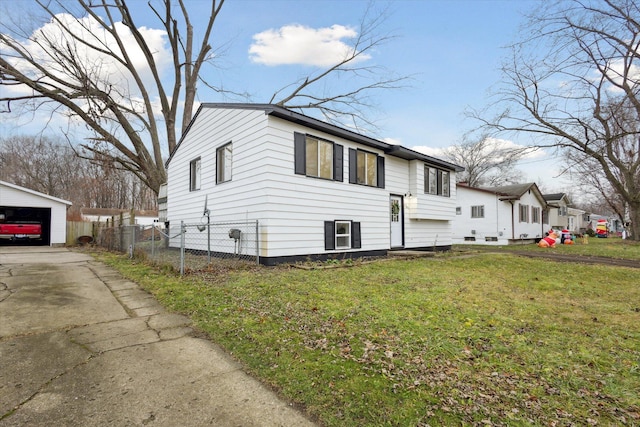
x: 353, y: 170
x: 329, y: 235
x: 338, y: 162
x: 380, y: 172
x: 356, y: 242
x: 299, y: 152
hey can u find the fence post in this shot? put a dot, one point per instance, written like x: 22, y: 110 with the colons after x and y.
x: 134, y: 230
x: 183, y: 231
x: 153, y: 239
x: 257, y: 244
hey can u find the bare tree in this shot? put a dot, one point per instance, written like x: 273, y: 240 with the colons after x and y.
x: 574, y: 84
x: 94, y: 63
x: 487, y: 161
x: 52, y: 167
x: 595, y: 184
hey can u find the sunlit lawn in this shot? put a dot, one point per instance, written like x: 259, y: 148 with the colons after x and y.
x: 488, y: 339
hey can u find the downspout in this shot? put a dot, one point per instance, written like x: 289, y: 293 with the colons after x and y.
x: 497, y: 217
x: 513, y: 224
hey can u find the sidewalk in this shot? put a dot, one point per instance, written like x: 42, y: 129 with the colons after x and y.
x: 79, y: 345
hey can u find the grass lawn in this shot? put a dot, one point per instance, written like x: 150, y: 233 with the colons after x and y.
x: 613, y: 247
x: 492, y: 339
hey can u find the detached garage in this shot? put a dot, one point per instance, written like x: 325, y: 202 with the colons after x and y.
x: 19, y: 205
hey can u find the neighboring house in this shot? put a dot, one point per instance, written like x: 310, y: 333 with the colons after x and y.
x: 317, y: 190
x: 19, y: 204
x: 584, y: 222
x: 577, y: 221
x: 614, y: 225
x: 141, y: 217
x: 558, y: 210
x: 499, y: 215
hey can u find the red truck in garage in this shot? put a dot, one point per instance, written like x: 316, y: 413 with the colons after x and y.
x: 23, y: 230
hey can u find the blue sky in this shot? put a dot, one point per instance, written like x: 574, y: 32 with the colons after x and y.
x: 452, y: 48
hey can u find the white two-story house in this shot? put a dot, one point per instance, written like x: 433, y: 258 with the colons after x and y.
x: 317, y: 190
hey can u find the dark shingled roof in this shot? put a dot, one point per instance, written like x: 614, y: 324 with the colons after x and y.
x: 312, y: 123
x: 554, y: 196
x: 510, y: 192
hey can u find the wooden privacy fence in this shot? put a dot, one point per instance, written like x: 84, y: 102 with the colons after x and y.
x: 76, y: 229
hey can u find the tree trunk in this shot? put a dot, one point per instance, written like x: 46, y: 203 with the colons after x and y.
x: 634, y: 215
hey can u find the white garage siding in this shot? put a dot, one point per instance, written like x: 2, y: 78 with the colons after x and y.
x: 15, y: 196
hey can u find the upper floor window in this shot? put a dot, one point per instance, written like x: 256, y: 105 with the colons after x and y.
x: 477, y: 211
x: 436, y: 181
x: 317, y: 157
x: 524, y: 213
x: 194, y: 174
x: 224, y: 156
x: 366, y: 168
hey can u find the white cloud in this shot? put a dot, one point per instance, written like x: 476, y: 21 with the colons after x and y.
x: 103, y: 70
x: 497, y: 145
x: 297, y: 44
x: 494, y: 145
x: 429, y: 151
x: 392, y: 141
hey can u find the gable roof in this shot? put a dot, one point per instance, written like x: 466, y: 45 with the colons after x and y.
x: 552, y: 199
x: 510, y: 192
x: 312, y: 123
x: 34, y: 193
x: 554, y: 196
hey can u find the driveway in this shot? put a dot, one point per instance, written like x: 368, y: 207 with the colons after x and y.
x: 79, y: 345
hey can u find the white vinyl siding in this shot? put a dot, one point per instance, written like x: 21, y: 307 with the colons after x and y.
x: 427, y: 218
x: 425, y: 206
x: 500, y: 224
x: 292, y: 208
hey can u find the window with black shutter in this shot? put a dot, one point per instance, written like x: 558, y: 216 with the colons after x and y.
x: 317, y: 157
x: 342, y: 234
x: 366, y: 168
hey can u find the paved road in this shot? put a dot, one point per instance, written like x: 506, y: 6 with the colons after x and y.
x: 81, y: 346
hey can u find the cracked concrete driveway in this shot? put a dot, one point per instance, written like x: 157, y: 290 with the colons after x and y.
x: 81, y: 346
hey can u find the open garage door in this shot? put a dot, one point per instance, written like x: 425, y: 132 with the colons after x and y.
x: 26, y: 215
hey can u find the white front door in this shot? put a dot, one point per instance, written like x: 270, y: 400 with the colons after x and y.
x: 396, y: 213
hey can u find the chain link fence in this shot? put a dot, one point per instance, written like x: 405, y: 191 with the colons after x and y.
x: 187, y: 247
